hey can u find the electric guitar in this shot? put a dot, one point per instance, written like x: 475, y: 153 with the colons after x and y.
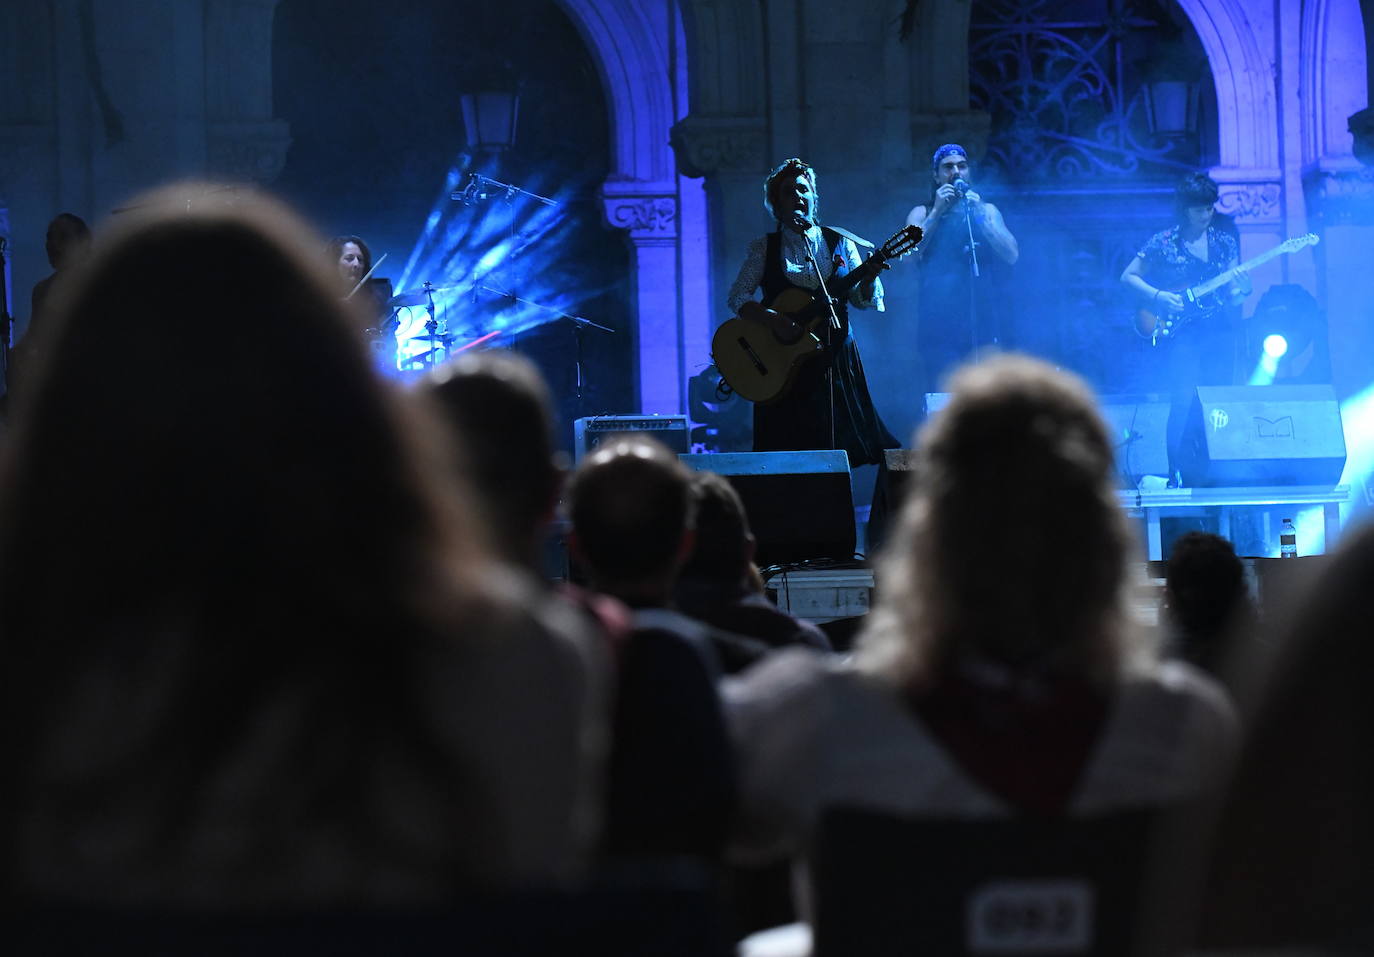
x: 759, y: 352
x: 1201, y: 301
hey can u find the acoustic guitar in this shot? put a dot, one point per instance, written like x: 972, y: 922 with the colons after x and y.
x: 1202, y: 300
x: 760, y: 351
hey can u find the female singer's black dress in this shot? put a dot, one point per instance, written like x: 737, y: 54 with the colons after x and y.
x: 801, y: 418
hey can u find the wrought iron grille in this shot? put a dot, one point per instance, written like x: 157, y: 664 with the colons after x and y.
x: 1063, y: 82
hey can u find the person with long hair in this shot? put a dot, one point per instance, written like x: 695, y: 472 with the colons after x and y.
x: 828, y: 405
x: 254, y: 652
x: 351, y: 258
x: 998, y: 673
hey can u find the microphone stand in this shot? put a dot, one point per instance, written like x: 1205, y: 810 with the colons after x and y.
x: 481, y: 187
x: 830, y: 328
x: 580, y: 324
x: 974, y: 274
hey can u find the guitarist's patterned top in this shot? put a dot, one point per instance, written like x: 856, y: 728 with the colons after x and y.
x: 798, y: 271
x: 1169, y: 265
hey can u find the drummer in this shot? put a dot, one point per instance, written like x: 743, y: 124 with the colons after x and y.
x: 352, y: 258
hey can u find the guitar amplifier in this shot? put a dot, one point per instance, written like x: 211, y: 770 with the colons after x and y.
x: 590, y: 431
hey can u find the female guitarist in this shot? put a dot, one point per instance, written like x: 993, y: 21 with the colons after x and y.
x: 790, y: 257
x: 1196, y: 337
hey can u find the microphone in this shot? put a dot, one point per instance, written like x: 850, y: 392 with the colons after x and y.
x: 961, y: 185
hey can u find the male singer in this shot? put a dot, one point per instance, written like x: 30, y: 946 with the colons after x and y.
x: 963, y: 259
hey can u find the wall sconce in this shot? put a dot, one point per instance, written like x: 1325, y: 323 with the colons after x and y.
x: 490, y: 119
x: 1171, y: 106
x: 1171, y: 81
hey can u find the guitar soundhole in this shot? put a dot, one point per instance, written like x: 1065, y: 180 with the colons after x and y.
x: 753, y: 356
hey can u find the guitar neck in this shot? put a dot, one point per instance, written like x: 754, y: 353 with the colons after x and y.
x: 840, y: 288
x: 1216, y: 282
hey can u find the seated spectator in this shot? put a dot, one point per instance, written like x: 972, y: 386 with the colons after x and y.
x: 1206, y: 600
x: 999, y: 674
x: 499, y: 406
x: 256, y: 654
x: 1284, y: 865
x: 671, y: 785
x: 67, y: 244
x: 720, y: 585
x: 633, y: 528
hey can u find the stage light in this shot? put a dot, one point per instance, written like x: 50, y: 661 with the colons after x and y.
x: 496, y: 262
x: 1275, y: 346
x: 1265, y: 370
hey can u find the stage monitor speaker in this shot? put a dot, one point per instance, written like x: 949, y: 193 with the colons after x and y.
x: 935, y: 401
x: 889, y: 493
x: 1137, y: 425
x: 591, y: 431
x: 800, y: 504
x: 1264, y: 435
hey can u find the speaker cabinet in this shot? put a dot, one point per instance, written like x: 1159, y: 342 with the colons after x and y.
x: 889, y: 492
x: 1264, y: 435
x: 1138, y: 426
x: 800, y: 504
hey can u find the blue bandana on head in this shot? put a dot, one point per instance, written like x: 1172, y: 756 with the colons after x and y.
x: 944, y: 151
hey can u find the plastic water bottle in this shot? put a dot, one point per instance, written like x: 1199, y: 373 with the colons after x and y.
x: 1288, y: 540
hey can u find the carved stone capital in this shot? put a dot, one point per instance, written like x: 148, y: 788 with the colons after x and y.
x: 719, y: 144
x: 1251, y: 203
x: 647, y: 216
x: 248, y: 151
x: 1341, y: 197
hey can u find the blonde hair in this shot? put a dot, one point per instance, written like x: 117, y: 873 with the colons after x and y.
x: 1011, y: 549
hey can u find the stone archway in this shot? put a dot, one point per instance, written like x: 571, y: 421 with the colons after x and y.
x: 1247, y: 113
x: 639, y: 47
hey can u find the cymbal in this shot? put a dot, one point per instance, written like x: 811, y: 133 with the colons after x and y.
x: 418, y: 298
x: 434, y: 337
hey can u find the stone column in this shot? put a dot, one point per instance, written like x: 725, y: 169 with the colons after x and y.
x: 1340, y: 198
x: 730, y: 152
x: 648, y: 212
x: 243, y: 140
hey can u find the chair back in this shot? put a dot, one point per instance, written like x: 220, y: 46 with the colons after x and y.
x: 884, y: 884
x: 663, y: 914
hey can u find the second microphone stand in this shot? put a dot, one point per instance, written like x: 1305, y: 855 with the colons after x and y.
x: 974, y: 273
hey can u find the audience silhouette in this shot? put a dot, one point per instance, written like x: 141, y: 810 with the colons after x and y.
x: 258, y: 652
x: 276, y: 637
x: 1206, y: 600
x: 999, y: 675
x: 720, y: 584
x: 1282, y: 863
